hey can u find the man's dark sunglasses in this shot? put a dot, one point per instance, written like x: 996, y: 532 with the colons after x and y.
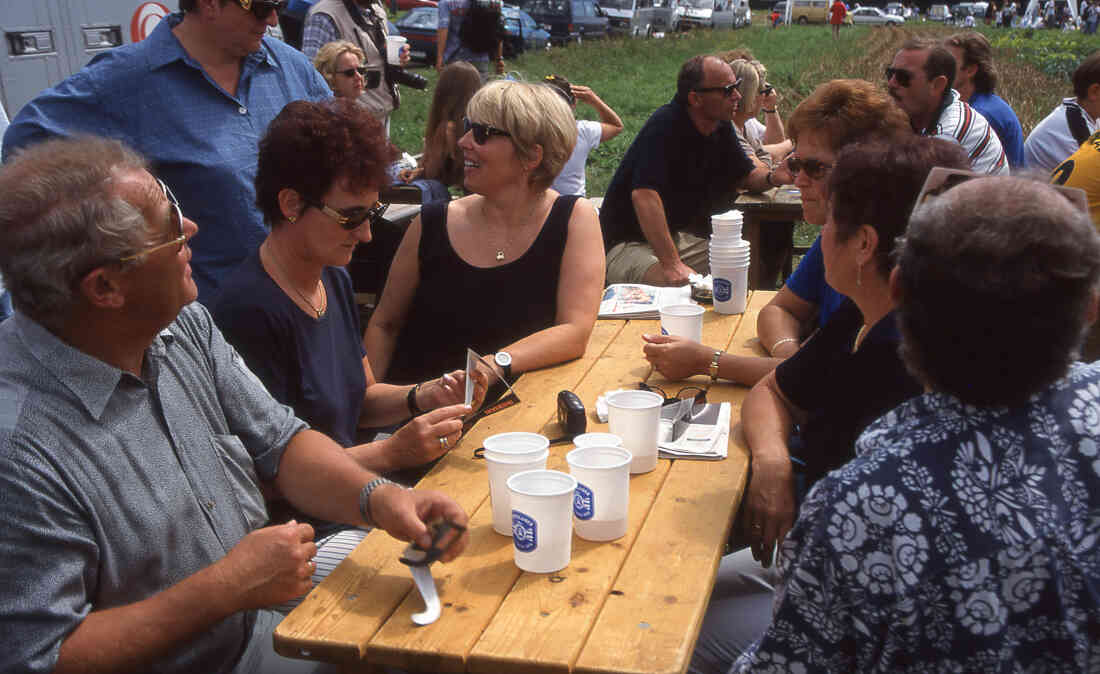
x: 350, y: 72
x: 482, y: 131
x: 352, y: 218
x: 727, y: 90
x: 815, y: 169
x: 262, y: 9
x: 904, y: 77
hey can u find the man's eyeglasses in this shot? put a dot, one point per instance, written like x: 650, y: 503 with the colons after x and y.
x: 904, y: 77
x: 482, y: 131
x: 177, y: 222
x: 814, y: 168
x: 352, y: 218
x: 261, y: 9
x: 351, y: 72
x: 727, y: 90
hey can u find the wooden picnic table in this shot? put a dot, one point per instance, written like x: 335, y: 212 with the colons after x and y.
x: 769, y: 229
x: 631, y: 605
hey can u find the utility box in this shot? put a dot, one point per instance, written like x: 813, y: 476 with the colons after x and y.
x: 46, y: 41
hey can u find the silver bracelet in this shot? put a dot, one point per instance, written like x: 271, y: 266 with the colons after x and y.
x: 782, y: 341
x: 364, y: 498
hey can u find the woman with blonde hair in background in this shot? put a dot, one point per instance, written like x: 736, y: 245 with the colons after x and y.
x: 341, y: 64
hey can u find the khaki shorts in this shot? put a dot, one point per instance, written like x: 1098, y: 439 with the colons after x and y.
x: 627, y: 262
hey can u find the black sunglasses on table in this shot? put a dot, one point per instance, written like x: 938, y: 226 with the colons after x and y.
x: 904, y: 77
x: 352, y: 218
x: 482, y: 132
x: 727, y: 90
x: 814, y: 168
x: 262, y: 9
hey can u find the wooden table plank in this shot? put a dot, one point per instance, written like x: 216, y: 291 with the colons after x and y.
x: 336, y: 620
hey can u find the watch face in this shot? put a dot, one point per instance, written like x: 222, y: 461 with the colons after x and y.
x: 503, y: 358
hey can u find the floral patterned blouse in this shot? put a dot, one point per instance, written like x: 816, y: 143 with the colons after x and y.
x: 959, y: 539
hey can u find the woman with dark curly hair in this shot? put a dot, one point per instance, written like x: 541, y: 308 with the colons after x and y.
x: 289, y: 308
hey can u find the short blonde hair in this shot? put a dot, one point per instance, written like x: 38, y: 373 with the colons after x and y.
x: 329, y: 54
x: 533, y: 114
x: 750, y: 82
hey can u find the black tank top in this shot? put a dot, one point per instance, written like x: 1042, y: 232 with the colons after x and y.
x: 458, y: 305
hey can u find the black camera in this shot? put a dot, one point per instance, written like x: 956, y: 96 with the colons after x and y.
x: 399, y: 75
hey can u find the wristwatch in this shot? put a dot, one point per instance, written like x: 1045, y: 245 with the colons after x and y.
x: 714, y: 365
x: 503, y: 359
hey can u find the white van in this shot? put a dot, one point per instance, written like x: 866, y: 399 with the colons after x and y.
x: 641, y: 18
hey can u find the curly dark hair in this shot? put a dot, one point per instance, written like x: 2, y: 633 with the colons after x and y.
x: 309, y: 146
x: 996, y: 277
x: 877, y: 184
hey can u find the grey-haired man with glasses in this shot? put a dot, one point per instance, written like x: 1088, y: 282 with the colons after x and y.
x: 136, y: 447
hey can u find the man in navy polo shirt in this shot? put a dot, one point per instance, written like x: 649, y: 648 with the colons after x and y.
x: 684, y: 165
x: 194, y: 98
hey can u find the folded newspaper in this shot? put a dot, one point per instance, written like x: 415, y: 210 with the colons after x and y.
x: 700, y: 435
x: 632, y: 300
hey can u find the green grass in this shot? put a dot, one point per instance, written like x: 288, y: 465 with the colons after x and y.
x: 636, y: 76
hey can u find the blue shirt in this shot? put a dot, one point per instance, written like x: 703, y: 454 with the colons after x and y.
x: 808, y: 282
x: 199, y: 139
x: 451, y: 14
x: 960, y: 539
x: 114, y: 487
x: 1003, y: 120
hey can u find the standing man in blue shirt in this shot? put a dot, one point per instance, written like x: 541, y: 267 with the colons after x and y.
x: 975, y: 80
x: 194, y: 98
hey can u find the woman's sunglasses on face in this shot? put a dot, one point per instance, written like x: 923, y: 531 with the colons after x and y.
x: 482, y: 132
x: 815, y: 169
x: 904, y: 77
x: 351, y: 72
x: 353, y: 217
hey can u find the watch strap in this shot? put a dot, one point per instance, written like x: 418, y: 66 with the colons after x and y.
x: 364, y: 498
x: 714, y: 365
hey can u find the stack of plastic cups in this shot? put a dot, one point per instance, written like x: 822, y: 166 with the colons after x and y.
x: 729, y: 263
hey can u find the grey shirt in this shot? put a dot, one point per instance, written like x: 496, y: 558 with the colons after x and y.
x: 114, y: 487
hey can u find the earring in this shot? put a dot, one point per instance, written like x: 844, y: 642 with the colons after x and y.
x: 292, y: 218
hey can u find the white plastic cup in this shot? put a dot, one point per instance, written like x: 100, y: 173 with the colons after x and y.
x: 735, y: 260
x: 394, y: 43
x: 635, y: 416
x: 683, y: 320
x: 730, y: 216
x: 542, y: 519
x: 500, y: 470
x: 515, y: 445
x: 597, y: 439
x: 740, y: 246
x: 601, y: 501
x: 730, y: 288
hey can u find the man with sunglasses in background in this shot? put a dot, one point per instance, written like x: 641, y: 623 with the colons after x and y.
x: 194, y: 98
x: 363, y: 23
x: 134, y: 442
x: 683, y: 166
x: 920, y: 80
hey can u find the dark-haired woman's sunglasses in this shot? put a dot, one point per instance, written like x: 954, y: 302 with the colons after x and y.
x: 815, y: 169
x: 350, y: 72
x: 262, y: 9
x: 352, y: 218
x: 482, y: 132
x: 904, y: 77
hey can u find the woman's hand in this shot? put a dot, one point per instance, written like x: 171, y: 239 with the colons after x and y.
x: 769, y: 513
x: 427, y: 437
x: 450, y: 389
x: 409, y: 175
x: 676, y: 357
x: 771, y: 99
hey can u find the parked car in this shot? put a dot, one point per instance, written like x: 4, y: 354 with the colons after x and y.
x: 939, y: 13
x: 568, y: 20
x: 874, y: 16
x: 420, y: 24
x: 899, y: 10
x: 810, y: 11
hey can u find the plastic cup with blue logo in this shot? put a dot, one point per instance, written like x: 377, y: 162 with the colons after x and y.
x: 601, y: 501
x: 683, y: 320
x: 635, y: 416
x: 500, y: 469
x: 542, y: 519
x: 597, y: 439
x: 731, y: 284
x: 515, y: 445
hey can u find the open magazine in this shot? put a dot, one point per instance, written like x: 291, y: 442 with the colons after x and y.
x: 700, y: 434
x: 633, y: 300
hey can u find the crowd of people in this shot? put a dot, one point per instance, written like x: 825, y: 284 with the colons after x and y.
x: 188, y: 435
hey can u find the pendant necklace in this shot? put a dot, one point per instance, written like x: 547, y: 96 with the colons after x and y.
x: 508, y: 242
x: 320, y: 311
